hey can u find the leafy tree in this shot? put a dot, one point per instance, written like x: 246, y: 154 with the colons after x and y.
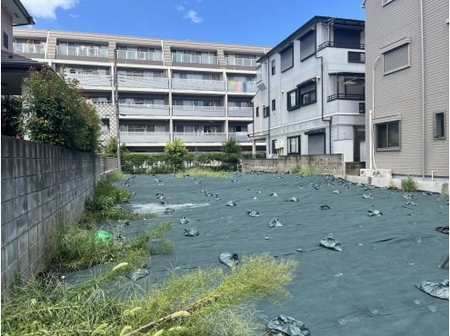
x: 110, y: 149
x: 232, y: 152
x: 176, y: 152
x: 57, y: 113
x: 12, y: 116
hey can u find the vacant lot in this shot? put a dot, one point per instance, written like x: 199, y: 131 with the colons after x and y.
x: 369, y: 288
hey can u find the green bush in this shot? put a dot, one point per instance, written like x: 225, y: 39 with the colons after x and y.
x: 176, y: 153
x: 304, y: 171
x: 232, y: 154
x: 12, y: 116
x: 408, y: 184
x: 110, y: 149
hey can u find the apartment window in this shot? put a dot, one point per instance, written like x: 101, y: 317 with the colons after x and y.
x: 307, y: 45
x: 356, y: 57
x: 266, y: 111
x: 439, y: 125
x: 294, y: 145
x: 396, y: 59
x: 385, y: 2
x: 5, y: 40
x: 293, y: 100
x: 274, y: 105
x: 257, y: 111
x: 287, y: 58
x: 388, y: 135
x: 307, y: 93
x: 273, y: 67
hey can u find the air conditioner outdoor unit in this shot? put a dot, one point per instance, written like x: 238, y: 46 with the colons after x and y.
x: 279, y: 144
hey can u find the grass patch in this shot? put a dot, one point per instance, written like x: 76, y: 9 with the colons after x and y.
x: 304, y: 171
x: 203, y: 172
x: 115, y: 175
x: 72, y: 246
x: 409, y: 185
x: 200, y: 302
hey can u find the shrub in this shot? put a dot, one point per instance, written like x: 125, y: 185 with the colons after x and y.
x: 304, y: 171
x: 12, y: 116
x: 232, y: 153
x: 110, y: 149
x: 176, y: 153
x: 409, y: 185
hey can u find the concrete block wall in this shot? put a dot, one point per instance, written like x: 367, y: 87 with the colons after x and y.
x: 38, y: 182
x: 332, y: 164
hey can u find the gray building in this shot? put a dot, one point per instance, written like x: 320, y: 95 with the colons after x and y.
x: 311, y: 91
x: 197, y: 91
x: 407, y: 77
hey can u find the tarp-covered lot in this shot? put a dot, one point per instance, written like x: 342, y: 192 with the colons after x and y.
x: 369, y: 288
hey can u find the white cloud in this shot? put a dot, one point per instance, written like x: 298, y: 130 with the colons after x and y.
x: 192, y: 15
x: 46, y: 8
x: 180, y: 8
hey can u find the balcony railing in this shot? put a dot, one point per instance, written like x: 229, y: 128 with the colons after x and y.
x: 198, y: 85
x: 346, y: 96
x: 186, y: 58
x: 205, y: 137
x: 242, y: 87
x: 81, y: 51
x: 140, y: 55
x: 199, y: 111
x: 86, y: 80
x: 29, y: 48
x: 340, y: 45
x: 237, y: 111
x: 105, y: 109
x: 144, y: 109
x: 144, y: 137
x: 239, y: 136
x: 240, y: 61
x: 143, y: 82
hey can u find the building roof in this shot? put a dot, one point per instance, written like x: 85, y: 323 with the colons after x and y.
x: 306, y: 28
x: 18, y: 12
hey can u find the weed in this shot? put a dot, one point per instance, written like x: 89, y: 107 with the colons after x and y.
x: 304, y: 171
x: 115, y: 175
x: 391, y: 185
x: 196, y: 171
x: 409, y: 185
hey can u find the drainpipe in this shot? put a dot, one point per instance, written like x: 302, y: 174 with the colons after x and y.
x: 321, y: 98
x: 371, y: 117
x: 268, y: 107
x: 422, y: 88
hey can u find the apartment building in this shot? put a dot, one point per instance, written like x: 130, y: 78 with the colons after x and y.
x: 311, y: 97
x: 164, y: 89
x: 408, y: 85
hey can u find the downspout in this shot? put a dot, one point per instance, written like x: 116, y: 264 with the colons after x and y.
x: 321, y: 98
x: 268, y: 107
x: 371, y: 117
x: 422, y: 84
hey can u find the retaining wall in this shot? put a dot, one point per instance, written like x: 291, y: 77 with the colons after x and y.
x: 332, y: 164
x: 39, y: 182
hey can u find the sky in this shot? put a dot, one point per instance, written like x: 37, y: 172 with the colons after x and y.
x: 246, y: 22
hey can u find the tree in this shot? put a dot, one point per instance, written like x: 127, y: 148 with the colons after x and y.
x: 176, y: 152
x: 57, y: 113
x: 232, y: 152
x: 110, y: 149
x: 12, y: 116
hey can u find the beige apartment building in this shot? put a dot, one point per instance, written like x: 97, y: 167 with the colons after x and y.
x: 407, y: 87
x: 165, y: 89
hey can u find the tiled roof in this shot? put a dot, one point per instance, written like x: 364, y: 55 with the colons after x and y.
x: 14, y: 61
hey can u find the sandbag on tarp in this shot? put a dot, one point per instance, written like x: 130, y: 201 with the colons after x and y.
x: 138, y: 274
x: 330, y: 243
x: 191, y: 232
x: 442, y: 229
x: 436, y: 289
x: 284, y: 325
x: 229, y: 259
x: 275, y: 222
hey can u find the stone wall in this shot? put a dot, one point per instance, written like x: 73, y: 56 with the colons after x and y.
x: 39, y: 182
x: 332, y: 164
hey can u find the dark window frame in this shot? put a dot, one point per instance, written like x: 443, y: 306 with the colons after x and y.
x: 5, y: 40
x: 296, y: 105
x: 282, y: 53
x: 439, y: 126
x: 273, y: 65
x: 399, y: 68
x: 383, y: 130
x: 274, y: 104
x: 304, y: 57
x: 266, y: 111
x: 289, y: 148
x: 257, y: 111
x: 303, y: 92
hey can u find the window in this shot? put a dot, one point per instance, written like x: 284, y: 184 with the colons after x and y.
x: 439, y: 125
x: 292, y: 100
x: 294, y: 145
x: 356, y: 57
x: 287, y: 58
x: 257, y: 111
x: 5, y: 40
x: 307, y: 45
x: 396, y: 59
x: 274, y: 105
x: 307, y: 93
x: 273, y: 67
x: 388, y: 135
x: 266, y: 111
x: 385, y: 2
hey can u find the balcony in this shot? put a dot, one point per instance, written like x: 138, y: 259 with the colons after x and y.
x: 239, y: 61
x: 144, y: 137
x: 239, y: 136
x: 128, y: 81
x: 144, y: 110
x: 241, y: 87
x: 340, y: 45
x: 26, y: 48
x: 201, y: 59
x: 81, y: 51
x: 198, y: 85
x: 237, y: 111
x: 87, y: 80
x: 204, y: 137
x: 140, y: 55
x: 199, y: 111
x: 346, y: 96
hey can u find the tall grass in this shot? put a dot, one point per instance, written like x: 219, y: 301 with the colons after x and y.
x: 196, y: 171
x: 115, y: 175
x: 304, y: 170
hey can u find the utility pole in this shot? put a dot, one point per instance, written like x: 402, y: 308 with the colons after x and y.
x: 116, y: 98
